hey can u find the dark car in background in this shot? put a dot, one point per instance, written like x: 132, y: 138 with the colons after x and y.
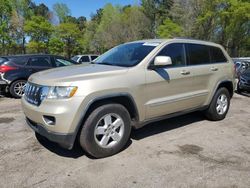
x: 15, y: 70
x: 244, y: 81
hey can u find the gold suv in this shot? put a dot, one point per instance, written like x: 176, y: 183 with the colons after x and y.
x: 128, y: 86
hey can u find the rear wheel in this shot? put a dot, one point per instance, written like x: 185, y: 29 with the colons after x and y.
x: 17, y: 88
x: 219, y: 105
x: 106, y: 131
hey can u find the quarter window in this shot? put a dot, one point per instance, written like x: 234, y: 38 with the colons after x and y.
x: 93, y: 57
x: 197, y: 54
x: 176, y: 52
x: 62, y: 62
x: 217, y: 55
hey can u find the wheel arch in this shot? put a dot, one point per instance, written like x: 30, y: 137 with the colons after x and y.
x: 124, y: 99
x: 228, y: 85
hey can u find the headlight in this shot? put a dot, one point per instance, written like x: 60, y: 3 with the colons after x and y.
x: 61, y: 92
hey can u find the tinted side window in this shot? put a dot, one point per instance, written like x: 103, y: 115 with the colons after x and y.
x: 197, y: 54
x: 176, y: 52
x: 19, y: 60
x: 217, y: 55
x: 93, y: 57
x: 85, y: 59
x: 62, y: 62
x: 40, y: 62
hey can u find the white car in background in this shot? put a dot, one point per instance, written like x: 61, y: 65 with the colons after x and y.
x: 84, y: 58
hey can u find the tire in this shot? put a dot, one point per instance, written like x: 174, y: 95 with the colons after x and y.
x: 216, y: 115
x: 17, y: 88
x: 100, y: 136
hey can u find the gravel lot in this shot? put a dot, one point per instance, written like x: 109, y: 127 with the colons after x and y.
x: 187, y: 151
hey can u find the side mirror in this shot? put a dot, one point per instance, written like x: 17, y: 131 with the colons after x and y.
x: 161, y: 61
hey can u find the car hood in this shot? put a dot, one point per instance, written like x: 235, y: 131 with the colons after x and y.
x: 73, y: 73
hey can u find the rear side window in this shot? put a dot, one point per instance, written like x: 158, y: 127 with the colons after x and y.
x: 19, y: 60
x: 217, y: 55
x: 40, y: 62
x: 197, y: 54
x: 93, y: 57
x: 84, y: 59
x: 176, y: 52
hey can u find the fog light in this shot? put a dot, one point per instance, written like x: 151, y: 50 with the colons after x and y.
x: 50, y: 120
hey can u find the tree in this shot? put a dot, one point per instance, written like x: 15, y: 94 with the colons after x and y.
x: 22, y: 11
x: 225, y: 22
x: 169, y: 29
x: 41, y: 10
x: 157, y: 11
x: 69, y: 34
x: 62, y: 11
x: 40, y: 30
x: 134, y: 23
x: 5, y: 15
x: 56, y: 46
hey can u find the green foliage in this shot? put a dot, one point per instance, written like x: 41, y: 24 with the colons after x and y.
x: 38, y: 28
x: 56, y: 46
x: 226, y: 22
x: 223, y: 21
x: 169, y: 29
x: 69, y: 34
x: 62, y: 11
x: 157, y: 11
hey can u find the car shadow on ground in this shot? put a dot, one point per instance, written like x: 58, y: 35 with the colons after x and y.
x: 146, y: 131
x: 166, y: 125
x: 245, y: 94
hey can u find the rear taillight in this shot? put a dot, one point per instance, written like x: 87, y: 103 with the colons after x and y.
x: 6, y: 68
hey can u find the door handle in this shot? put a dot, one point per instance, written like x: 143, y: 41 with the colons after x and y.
x: 214, y: 69
x: 184, y: 72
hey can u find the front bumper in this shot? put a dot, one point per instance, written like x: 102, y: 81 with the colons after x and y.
x: 65, y: 112
x: 65, y: 140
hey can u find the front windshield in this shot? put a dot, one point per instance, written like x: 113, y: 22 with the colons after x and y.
x: 127, y: 55
x: 75, y: 58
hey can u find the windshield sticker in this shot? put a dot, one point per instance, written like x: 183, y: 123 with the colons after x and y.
x: 151, y: 44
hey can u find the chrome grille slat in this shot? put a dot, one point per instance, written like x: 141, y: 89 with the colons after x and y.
x: 32, y: 94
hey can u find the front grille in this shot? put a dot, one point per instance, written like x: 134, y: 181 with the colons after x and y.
x: 33, y: 94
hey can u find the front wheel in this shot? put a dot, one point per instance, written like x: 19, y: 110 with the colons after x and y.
x: 106, y: 131
x: 17, y: 88
x: 219, y: 105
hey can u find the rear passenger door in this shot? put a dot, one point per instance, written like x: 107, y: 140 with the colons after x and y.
x: 41, y: 63
x: 206, y: 64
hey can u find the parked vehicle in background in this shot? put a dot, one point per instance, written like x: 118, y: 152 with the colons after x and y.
x: 129, y: 86
x: 244, y: 82
x: 84, y: 58
x: 15, y: 70
x: 241, y: 64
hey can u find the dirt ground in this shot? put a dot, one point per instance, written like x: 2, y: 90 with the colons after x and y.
x: 187, y: 151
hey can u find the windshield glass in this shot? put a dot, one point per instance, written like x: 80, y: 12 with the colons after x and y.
x: 75, y: 58
x: 126, y: 55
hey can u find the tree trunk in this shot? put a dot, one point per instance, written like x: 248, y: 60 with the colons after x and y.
x: 23, y: 45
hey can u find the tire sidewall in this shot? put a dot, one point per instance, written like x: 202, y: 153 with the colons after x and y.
x: 214, y: 103
x: 87, y: 137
